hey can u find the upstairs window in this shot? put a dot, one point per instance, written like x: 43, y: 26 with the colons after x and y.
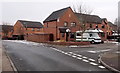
x: 73, y: 24
x: 96, y: 26
x: 65, y: 24
x: 103, y: 26
x: 33, y: 29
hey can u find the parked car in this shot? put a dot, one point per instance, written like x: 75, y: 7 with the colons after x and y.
x: 118, y: 40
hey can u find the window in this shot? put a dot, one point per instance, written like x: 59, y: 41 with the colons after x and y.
x: 78, y: 34
x: 103, y: 26
x: 38, y: 29
x: 65, y: 24
x: 33, y: 29
x: 63, y: 34
x: 90, y: 25
x: 91, y: 35
x: 73, y: 24
x: 72, y: 35
x: 96, y: 26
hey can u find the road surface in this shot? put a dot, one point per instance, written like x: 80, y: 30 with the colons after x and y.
x: 40, y: 57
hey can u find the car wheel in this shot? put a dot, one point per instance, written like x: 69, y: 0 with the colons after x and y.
x: 92, y: 42
x: 102, y: 42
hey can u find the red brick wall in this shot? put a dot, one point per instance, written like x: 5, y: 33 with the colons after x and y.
x: 18, y: 29
x: 38, y: 37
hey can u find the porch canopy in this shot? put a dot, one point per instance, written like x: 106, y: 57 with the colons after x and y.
x: 63, y: 29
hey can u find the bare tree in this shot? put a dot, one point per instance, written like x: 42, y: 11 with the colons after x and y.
x: 81, y: 8
x: 6, y: 28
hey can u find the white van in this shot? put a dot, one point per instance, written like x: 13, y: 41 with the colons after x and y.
x: 88, y: 35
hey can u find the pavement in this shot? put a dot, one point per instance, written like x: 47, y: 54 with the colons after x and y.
x: 5, y: 64
x: 111, y: 61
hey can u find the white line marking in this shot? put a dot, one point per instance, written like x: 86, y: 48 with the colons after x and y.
x: 73, y: 46
x: 69, y: 54
x: 74, y: 56
x: 84, y: 57
x: 85, y: 60
x: 91, y: 59
x: 101, y: 67
x: 79, y: 55
x: 93, y: 63
x: 66, y: 53
x: 79, y: 58
x: 62, y: 52
x: 92, y: 51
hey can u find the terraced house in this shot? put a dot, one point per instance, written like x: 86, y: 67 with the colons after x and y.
x: 64, y: 23
x: 23, y: 28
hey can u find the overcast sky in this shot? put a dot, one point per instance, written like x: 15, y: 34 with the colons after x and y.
x: 38, y: 10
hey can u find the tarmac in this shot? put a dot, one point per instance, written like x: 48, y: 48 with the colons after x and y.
x: 109, y: 60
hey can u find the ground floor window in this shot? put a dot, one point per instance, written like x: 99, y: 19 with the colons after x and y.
x: 72, y: 35
x: 63, y: 34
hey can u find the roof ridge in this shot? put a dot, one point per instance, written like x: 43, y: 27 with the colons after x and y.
x: 29, y: 21
x: 87, y: 14
x: 55, y: 15
x: 62, y: 9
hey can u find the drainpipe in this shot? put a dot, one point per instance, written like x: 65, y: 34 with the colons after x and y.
x: 56, y: 27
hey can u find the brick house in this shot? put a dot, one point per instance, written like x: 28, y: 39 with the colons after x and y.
x: 95, y: 22
x: 62, y: 24
x: 113, y: 27
x: 23, y: 28
x: 6, y: 31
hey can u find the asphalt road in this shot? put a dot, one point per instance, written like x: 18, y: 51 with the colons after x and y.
x: 41, y: 57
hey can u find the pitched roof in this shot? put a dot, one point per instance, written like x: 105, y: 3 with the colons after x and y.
x: 55, y: 15
x: 31, y: 24
x: 86, y: 18
x: 114, y: 27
